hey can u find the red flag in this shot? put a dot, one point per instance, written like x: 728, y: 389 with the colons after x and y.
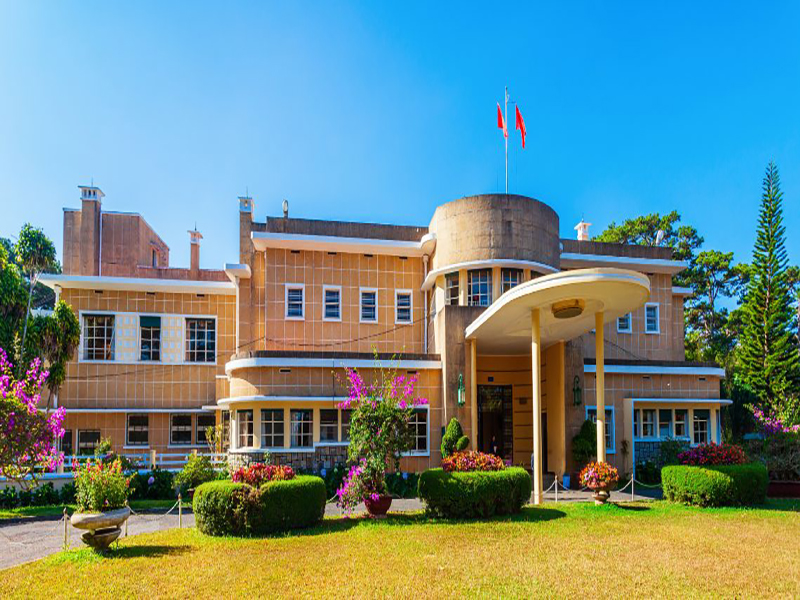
x: 501, y: 124
x: 520, y: 125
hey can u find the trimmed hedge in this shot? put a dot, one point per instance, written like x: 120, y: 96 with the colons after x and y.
x: 475, y: 493
x: 729, y: 485
x: 227, y: 508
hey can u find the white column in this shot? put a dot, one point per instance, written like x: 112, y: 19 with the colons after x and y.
x: 600, y: 386
x: 536, y: 381
x: 473, y: 390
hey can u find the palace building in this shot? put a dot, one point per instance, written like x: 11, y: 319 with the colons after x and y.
x: 519, y: 334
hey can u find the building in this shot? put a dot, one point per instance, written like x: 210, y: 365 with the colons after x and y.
x: 519, y: 334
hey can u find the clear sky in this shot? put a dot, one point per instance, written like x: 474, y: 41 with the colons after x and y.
x: 381, y: 111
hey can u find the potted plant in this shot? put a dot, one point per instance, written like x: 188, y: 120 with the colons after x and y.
x: 101, y: 493
x: 379, y: 435
x: 600, y: 477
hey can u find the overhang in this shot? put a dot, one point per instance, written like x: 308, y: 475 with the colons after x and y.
x: 570, y: 260
x: 137, y: 284
x: 332, y: 243
x: 505, y: 327
x: 236, y: 271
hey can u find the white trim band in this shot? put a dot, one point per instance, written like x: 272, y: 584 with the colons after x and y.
x: 336, y: 363
x: 138, y: 284
x: 224, y: 403
x: 657, y: 370
x: 648, y: 265
x: 332, y: 243
x: 682, y: 400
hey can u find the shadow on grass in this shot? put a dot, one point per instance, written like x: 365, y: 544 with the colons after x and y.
x: 781, y: 504
x: 148, y: 550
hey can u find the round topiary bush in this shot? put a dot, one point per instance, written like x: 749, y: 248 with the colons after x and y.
x: 471, y: 494
x: 724, y: 485
x: 228, y: 508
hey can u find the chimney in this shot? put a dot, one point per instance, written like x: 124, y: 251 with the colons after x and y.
x: 583, y: 231
x: 285, y: 209
x: 195, y: 237
x: 91, y: 230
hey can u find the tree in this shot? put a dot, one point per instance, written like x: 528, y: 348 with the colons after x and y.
x: 35, y: 253
x: 13, y: 298
x: 769, y: 359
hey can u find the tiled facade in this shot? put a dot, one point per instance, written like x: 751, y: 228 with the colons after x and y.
x: 307, y: 298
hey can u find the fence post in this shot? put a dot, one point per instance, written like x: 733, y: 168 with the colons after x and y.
x: 180, y: 511
x: 633, y: 483
x: 194, y: 452
x: 128, y: 506
x: 152, y: 459
x: 66, y: 530
x: 556, y: 489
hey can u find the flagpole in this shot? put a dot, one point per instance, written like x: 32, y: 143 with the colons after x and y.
x: 505, y: 118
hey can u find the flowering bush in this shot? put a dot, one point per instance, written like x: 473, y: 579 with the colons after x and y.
x: 28, y: 436
x: 259, y: 473
x: 713, y: 454
x: 472, y: 460
x: 379, y: 431
x: 771, y: 424
x: 598, y: 475
x: 100, y: 487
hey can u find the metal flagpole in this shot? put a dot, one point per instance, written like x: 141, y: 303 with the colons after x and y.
x: 505, y: 118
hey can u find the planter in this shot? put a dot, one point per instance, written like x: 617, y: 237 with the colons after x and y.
x: 379, y: 507
x: 100, y: 528
x: 601, y: 494
x: 783, y: 489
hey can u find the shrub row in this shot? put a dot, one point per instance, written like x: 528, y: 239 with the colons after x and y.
x: 44, y: 495
x: 227, y: 508
x: 729, y: 485
x: 475, y: 494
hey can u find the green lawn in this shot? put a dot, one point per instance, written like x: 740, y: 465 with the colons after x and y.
x: 566, y: 549
x: 58, y: 509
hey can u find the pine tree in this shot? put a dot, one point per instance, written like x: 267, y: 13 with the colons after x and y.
x: 770, y: 361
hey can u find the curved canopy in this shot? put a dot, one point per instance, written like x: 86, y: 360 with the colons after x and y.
x: 505, y: 327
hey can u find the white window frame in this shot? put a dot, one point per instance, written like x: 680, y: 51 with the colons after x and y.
x: 336, y: 439
x: 425, y: 408
x: 197, y: 428
x: 311, y: 411
x: 160, y: 339
x: 294, y: 286
x: 186, y: 319
x: 654, y: 436
x: 128, y: 444
x: 173, y: 444
x: 325, y: 289
x: 613, y: 448
x: 239, y: 423
x: 82, y: 344
x: 658, y: 318
x: 447, y: 289
x: 709, y: 436
x: 361, y: 292
x: 686, y: 422
x: 77, y: 448
x: 629, y: 329
x: 410, y: 294
x: 505, y: 286
x: 262, y: 422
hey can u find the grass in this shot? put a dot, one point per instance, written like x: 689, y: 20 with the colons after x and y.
x: 57, y: 510
x: 565, y: 549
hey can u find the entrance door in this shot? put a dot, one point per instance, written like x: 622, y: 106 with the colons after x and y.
x: 495, y: 426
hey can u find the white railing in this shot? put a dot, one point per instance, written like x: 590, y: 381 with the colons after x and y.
x: 147, y: 461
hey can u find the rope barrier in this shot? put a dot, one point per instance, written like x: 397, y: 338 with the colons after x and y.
x: 47, y: 535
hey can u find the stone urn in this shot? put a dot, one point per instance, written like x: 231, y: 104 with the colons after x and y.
x: 379, y: 507
x: 601, y: 494
x: 100, y: 529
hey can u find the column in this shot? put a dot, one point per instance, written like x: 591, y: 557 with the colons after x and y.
x: 473, y: 390
x: 536, y: 380
x: 600, y: 386
x: 462, y: 287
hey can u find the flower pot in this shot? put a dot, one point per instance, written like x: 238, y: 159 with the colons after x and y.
x: 100, y: 528
x: 379, y: 507
x: 601, y: 494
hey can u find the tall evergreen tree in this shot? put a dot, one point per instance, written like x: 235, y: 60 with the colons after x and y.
x: 770, y: 361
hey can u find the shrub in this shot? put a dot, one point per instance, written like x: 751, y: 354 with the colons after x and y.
x: 100, y: 487
x: 153, y: 485
x: 8, y: 497
x: 453, y: 439
x: 584, y: 445
x: 402, y: 485
x: 724, y: 485
x: 230, y: 508
x: 44, y: 495
x: 474, y: 494
x: 648, y: 473
x: 198, y: 469
x: 259, y: 473
x: 713, y: 454
x: 780, y: 453
x: 598, y: 475
x: 472, y: 460
x: 66, y: 495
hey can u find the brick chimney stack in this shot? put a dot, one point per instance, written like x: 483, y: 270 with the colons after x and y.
x: 195, y: 237
x: 583, y: 231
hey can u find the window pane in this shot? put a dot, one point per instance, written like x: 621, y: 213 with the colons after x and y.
x: 681, y: 416
x: 245, y: 424
x: 368, y: 306
x: 451, y: 286
x: 329, y: 425
x: 98, y: 337
x: 648, y: 423
x: 510, y: 278
x: 180, y: 430
x: 624, y: 323
x: 700, y: 426
x: 479, y: 289
x: 294, y: 302
x: 665, y: 423
x: 203, y: 422
x: 200, y: 340
x: 150, y: 336
x: 138, y: 430
x: 403, y: 307
x: 88, y: 441
x: 66, y: 443
x: 651, y: 318
x: 419, y: 431
x: 346, y: 425
x: 333, y: 304
x: 272, y: 428
x: 302, y: 429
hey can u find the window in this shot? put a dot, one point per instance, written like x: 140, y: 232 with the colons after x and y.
x: 66, y: 443
x: 451, y: 289
x: 272, y: 428
x: 402, y: 306
x: 302, y: 429
x: 226, y: 429
x: 202, y: 423
x: 346, y: 425
x: 479, y: 288
x: 295, y: 305
x: 98, y: 337
x: 651, y: 318
x: 665, y: 423
x: 155, y: 258
x: 701, y: 426
x: 369, y: 306
x: 419, y: 430
x: 648, y: 423
x: 150, y: 338
x: 328, y: 425
x: 87, y: 441
x: 244, y: 423
x: 681, y: 416
x: 591, y: 414
x: 201, y: 345
x: 510, y: 278
x: 332, y: 311
x: 624, y: 324
x: 138, y: 434
x: 180, y: 430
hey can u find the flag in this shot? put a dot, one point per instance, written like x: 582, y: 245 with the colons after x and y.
x: 520, y: 125
x: 501, y: 124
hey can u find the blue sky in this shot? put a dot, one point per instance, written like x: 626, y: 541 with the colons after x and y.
x: 382, y: 111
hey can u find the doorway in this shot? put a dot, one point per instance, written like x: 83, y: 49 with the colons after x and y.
x: 495, y: 425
